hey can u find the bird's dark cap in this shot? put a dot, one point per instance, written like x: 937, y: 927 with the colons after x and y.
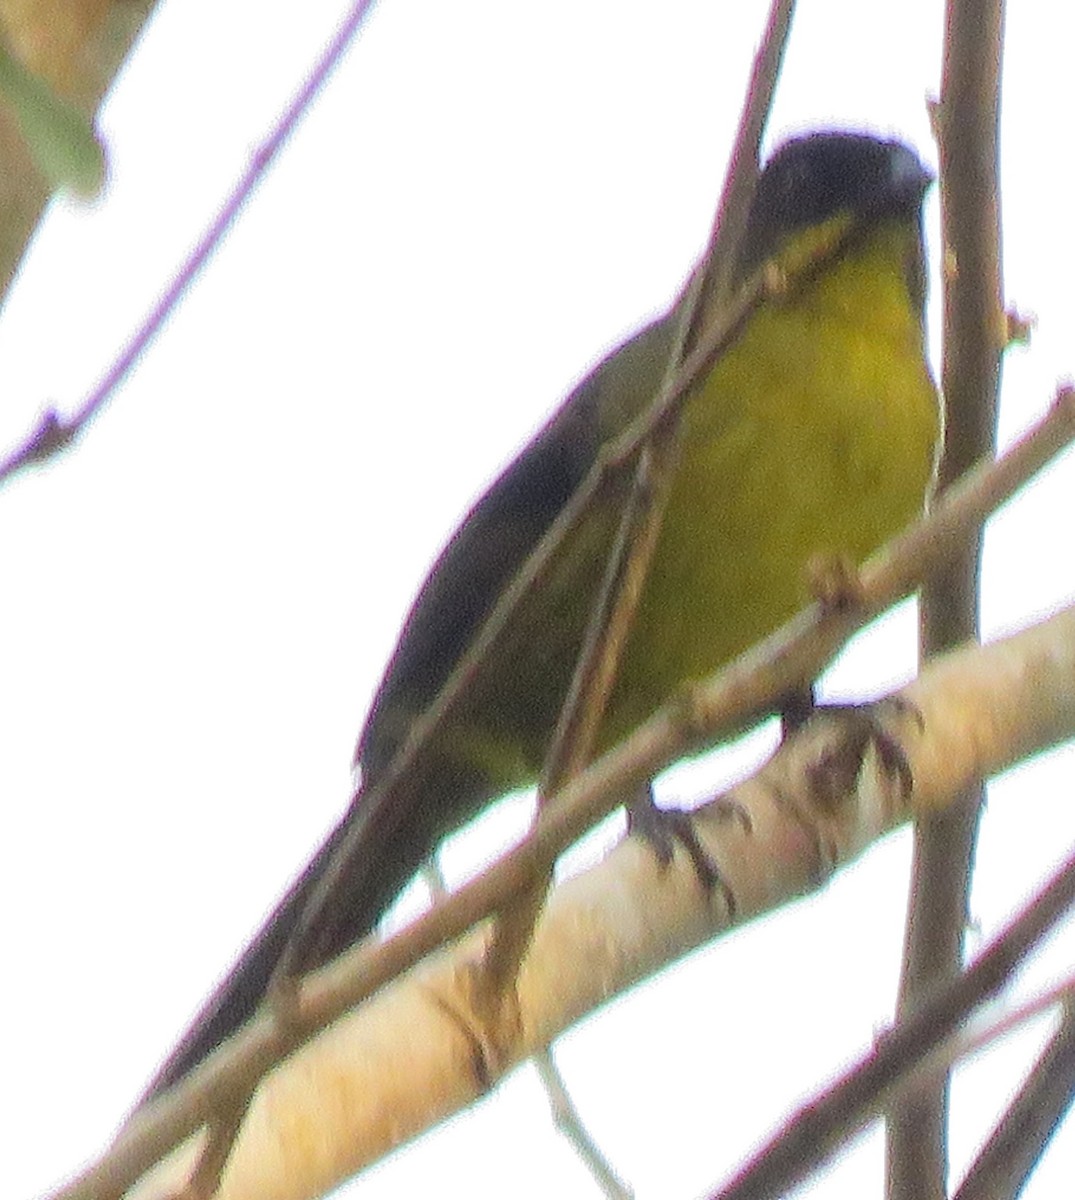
x: 809, y: 179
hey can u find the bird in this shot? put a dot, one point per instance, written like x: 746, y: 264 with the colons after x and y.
x: 815, y: 433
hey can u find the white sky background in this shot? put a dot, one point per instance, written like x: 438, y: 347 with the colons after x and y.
x: 199, y: 599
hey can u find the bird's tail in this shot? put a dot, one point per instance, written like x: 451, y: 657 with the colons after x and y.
x: 338, y: 899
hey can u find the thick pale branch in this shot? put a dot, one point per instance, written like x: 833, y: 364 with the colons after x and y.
x: 415, y: 1053
x: 793, y: 654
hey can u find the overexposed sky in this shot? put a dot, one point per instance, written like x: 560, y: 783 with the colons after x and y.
x: 200, y: 597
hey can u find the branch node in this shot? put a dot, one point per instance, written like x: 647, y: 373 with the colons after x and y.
x: 688, y: 714
x: 1018, y: 328
x: 834, y: 581
x: 1064, y: 402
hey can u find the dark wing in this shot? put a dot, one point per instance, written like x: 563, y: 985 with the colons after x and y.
x: 386, y: 842
x: 499, y: 534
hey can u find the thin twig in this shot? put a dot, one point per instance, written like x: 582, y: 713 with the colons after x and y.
x: 55, y: 432
x: 213, y: 1157
x: 1019, y: 1139
x: 577, y: 727
x: 707, y: 296
x: 715, y: 285
x: 985, y: 1035
x: 973, y: 1038
x: 824, y: 1124
x: 567, y: 1120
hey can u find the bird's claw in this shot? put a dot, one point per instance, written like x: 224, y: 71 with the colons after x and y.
x: 663, y: 828
x: 836, y: 772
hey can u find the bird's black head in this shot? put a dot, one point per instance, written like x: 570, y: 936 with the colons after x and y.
x: 812, y: 178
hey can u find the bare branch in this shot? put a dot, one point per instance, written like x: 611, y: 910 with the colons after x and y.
x: 1029, y: 703
x: 827, y: 1122
x: 966, y: 122
x: 706, y: 302
x: 412, y: 1055
x: 54, y: 431
x: 1019, y: 1140
x: 566, y: 1118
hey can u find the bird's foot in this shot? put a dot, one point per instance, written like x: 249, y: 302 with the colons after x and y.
x: 663, y: 828
x: 864, y: 729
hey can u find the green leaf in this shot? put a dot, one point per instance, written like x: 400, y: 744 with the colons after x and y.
x: 60, y: 139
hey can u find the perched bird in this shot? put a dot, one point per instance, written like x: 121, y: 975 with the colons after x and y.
x: 815, y: 433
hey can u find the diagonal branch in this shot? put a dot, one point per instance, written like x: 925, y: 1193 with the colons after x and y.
x: 55, y: 432
x: 716, y: 709
x: 707, y: 299
x: 1017, y: 1143
x: 406, y: 1060
x: 826, y: 1123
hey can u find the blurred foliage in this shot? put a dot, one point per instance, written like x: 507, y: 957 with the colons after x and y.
x: 57, y: 60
